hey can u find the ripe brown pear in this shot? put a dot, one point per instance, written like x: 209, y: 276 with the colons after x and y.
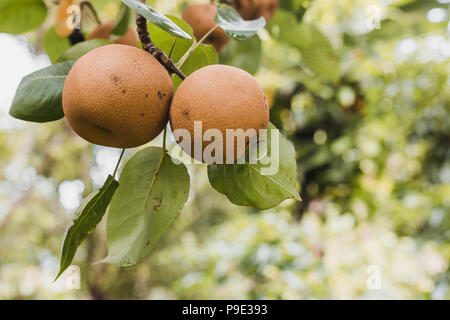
x: 253, y: 9
x: 103, y: 31
x: 221, y: 97
x: 201, y: 18
x: 117, y: 96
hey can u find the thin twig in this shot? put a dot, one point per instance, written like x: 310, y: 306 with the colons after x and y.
x: 150, y: 47
x: 164, y: 139
x: 118, y: 163
x: 194, y: 46
x: 172, y: 47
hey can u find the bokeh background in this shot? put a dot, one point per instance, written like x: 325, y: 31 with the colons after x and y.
x: 372, y: 138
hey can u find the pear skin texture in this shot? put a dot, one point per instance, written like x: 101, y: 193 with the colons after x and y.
x: 253, y: 9
x: 117, y: 96
x: 222, y: 97
x: 201, y: 18
x: 103, y: 31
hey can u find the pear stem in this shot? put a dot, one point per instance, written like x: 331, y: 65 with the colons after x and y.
x: 164, y: 139
x: 118, y: 163
x: 172, y: 47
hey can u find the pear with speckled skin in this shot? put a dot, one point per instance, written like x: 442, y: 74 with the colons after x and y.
x: 117, y: 96
x: 221, y: 97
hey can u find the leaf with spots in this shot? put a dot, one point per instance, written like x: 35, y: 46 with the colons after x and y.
x: 263, y: 184
x: 87, y: 217
x: 152, y: 193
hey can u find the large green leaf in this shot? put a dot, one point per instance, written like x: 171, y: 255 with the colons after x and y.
x: 202, y: 56
x: 80, y: 49
x: 151, y: 194
x: 245, y: 55
x: 39, y: 95
x: 157, y: 18
x: 248, y: 185
x: 122, y: 21
x: 54, y: 45
x: 17, y: 16
x: 236, y: 27
x: 87, y: 217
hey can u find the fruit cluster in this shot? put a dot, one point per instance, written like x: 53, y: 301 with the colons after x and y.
x: 120, y: 96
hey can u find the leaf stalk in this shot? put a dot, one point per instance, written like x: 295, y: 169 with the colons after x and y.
x: 118, y: 163
x: 194, y: 46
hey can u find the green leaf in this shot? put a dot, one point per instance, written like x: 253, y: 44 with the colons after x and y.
x: 202, y: 56
x: 237, y: 28
x: 87, y: 217
x: 39, y: 95
x: 151, y: 195
x: 122, y: 21
x: 54, y: 45
x: 157, y: 18
x: 17, y: 16
x: 80, y: 49
x: 282, y: 25
x: 245, y: 55
x: 317, y: 52
x: 159, y: 34
x: 296, y: 7
x: 249, y: 185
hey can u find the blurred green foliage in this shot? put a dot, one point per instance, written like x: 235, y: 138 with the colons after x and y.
x: 370, y: 123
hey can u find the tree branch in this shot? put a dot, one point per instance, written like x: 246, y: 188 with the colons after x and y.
x: 149, y: 46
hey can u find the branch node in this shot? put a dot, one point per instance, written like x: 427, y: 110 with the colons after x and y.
x: 149, y: 46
